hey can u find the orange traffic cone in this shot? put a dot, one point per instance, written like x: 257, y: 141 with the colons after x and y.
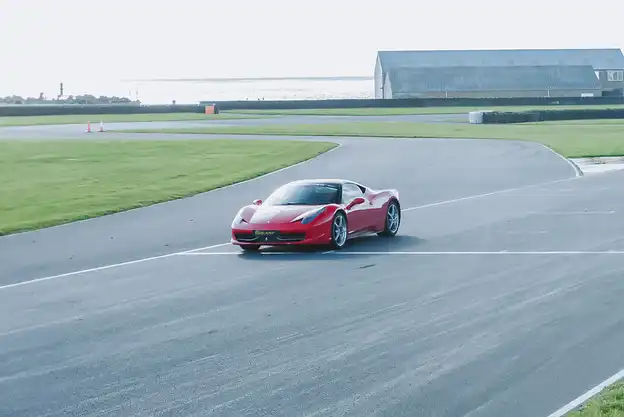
x: 101, y: 126
x: 89, y: 127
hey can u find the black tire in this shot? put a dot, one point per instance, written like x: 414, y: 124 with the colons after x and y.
x: 250, y: 248
x: 339, y: 243
x: 390, y: 229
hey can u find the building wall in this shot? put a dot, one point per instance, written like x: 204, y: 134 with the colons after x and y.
x: 387, y: 88
x: 378, y: 80
x: 498, y: 94
x: 611, y: 79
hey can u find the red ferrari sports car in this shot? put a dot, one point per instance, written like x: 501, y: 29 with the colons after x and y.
x: 317, y: 212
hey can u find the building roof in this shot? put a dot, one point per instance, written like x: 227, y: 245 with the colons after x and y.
x: 599, y: 58
x: 522, y: 78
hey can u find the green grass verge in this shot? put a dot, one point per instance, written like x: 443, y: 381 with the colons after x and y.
x: 45, y: 183
x: 571, y: 140
x: 584, y: 122
x: 609, y: 403
x: 112, y: 118
x: 387, y: 111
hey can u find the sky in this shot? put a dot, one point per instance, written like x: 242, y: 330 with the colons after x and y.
x: 43, y: 42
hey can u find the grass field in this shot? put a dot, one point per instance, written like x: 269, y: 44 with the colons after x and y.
x: 52, y: 182
x: 573, y: 140
x: 387, y: 111
x: 111, y: 118
x: 585, y: 122
x: 609, y: 403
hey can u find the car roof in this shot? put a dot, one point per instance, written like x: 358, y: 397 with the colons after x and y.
x: 324, y: 181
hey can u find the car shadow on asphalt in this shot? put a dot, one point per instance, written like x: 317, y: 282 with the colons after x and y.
x: 368, y: 246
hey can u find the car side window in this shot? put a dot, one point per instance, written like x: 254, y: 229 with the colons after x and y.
x: 350, y: 192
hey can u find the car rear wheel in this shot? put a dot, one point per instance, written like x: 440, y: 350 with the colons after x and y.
x: 339, y: 231
x: 250, y: 248
x: 393, y: 219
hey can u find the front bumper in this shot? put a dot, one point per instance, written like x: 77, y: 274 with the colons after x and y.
x: 281, y: 234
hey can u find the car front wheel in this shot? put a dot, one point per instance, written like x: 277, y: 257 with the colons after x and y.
x: 339, y: 231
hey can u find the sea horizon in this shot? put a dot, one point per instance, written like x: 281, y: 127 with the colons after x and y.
x: 195, y: 90
x: 235, y: 79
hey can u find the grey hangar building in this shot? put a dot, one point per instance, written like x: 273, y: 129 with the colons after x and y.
x: 499, y: 73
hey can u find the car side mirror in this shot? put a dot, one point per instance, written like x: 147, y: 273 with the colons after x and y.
x: 257, y: 202
x: 355, y: 202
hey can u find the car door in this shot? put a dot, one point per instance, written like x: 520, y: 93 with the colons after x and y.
x: 375, y: 215
x: 356, y: 215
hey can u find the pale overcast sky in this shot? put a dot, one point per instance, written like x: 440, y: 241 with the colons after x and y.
x: 44, y: 41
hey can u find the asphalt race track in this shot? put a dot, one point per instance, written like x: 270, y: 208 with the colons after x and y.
x: 501, y: 296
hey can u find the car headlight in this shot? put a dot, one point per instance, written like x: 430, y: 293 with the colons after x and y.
x: 309, y: 217
x: 238, y: 219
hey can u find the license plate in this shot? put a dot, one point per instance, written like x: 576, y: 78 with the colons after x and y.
x: 266, y: 232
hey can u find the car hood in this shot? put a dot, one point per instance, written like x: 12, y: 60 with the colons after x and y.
x: 279, y: 214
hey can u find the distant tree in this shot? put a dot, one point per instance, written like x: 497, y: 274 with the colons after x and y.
x: 79, y: 99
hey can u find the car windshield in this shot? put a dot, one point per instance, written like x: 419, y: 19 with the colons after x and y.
x: 305, y: 195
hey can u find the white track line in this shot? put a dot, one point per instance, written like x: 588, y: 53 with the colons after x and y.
x: 471, y: 197
x: 589, y: 394
x: 207, y: 253
x: 504, y: 253
x: 577, y: 170
x: 422, y: 253
x: 439, y: 203
x: 198, y: 249
x: 570, y: 213
x: 102, y: 268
